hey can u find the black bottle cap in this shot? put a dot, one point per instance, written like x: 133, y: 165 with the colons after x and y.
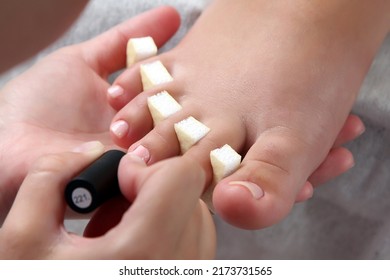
x: 96, y: 184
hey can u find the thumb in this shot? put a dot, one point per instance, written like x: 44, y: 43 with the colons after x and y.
x: 40, y: 200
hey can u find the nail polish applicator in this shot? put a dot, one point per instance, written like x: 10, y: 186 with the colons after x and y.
x: 96, y: 184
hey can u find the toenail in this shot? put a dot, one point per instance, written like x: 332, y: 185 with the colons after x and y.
x: 134, y: 158
x: 361, y: 130
x: 115, y: 91
x: 350, y: 163
x: 141, y: 152
x: 255, y: 190
x: 119, y: 128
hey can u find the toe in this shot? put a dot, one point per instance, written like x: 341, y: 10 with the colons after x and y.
x: 305, y: 193
x: 126, y: 86
x: 162, y: 141
x: 268, y: 183
x: 131, y: 123
x: 129, y: 84
x: 338, y: 161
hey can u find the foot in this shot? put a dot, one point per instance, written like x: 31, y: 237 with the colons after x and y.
x: 280, y: 98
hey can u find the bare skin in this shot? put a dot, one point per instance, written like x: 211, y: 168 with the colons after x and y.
x: 28, y: 26
x: 29, y: 131
x: 54, y: 105
x: 279, y: 80
x: 188, y: 234
x: 43, y: 111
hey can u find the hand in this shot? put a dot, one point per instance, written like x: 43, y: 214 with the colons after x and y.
x: 61, y: 102
x: 167, y: 220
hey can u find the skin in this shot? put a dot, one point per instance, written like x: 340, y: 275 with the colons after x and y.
x: 42, y: 110
x: 281, y: 84
x: 153, y: 201
x: 187, y: 234
x: 24, y: 27
x: 24, y: 234
x: 28, y: 133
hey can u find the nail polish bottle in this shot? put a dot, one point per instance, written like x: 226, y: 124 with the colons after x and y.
x: 96, y: 184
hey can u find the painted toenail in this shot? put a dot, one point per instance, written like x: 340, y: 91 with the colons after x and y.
x: 141, y: 152
x: 255, y: 190
x: 115, y: 91
x: 119, y: 128
x: 134, y: 158
x: 361, y: 130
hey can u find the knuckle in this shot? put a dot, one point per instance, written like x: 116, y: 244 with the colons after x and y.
x: 48, y: 164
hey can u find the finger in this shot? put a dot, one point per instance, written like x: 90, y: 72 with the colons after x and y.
x: 353, y: 128
x: 40, y: 201
x: 338, y: 161
x: 106, y: 217
x: 107, y: 52
x: 167, y: 194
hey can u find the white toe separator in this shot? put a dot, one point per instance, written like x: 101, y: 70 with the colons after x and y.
x: 153, y: 74
x: 224, y: 161
x: 189, y: 131
x: 139, y: 49
x: 161, y: 106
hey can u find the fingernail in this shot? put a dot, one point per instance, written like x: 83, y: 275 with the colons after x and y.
x: 119, y: 128
x: 141, y: 152
x: 255, y: 190
x: 89, y: 147
x: 115, y: 91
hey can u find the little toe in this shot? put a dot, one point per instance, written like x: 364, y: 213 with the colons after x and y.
x: 129, y: 84
x: 126, y: 86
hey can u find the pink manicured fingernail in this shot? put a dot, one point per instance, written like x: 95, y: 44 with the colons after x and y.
x: 119, y: 128
x: 141, y: 152
x: 255, y: 190
x: 115, y: 91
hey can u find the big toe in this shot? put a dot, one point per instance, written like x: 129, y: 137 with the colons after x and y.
x: 264, y: 189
